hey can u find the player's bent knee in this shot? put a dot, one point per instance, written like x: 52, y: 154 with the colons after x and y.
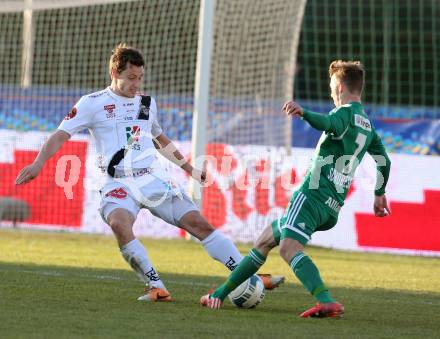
x: 121, y: 223
x: 117, y: 224
x: 122, y: 230
x: 265, y: 241
x: 283, y: 251
x: 265, y: 244
x: 289, y: 248
x: 196, y: 224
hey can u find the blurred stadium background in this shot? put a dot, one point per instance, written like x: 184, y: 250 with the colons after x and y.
x: 264, y: 52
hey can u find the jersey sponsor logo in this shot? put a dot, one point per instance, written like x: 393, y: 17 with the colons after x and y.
x: 118, y: 193
x: 100, y: 159
x: 362, y: 122
x: 71, y: 114
x: 339, y: 179
x: 110, y: 111
x: 333, y: 204
x: 133, y: 134
x: 110, y: 108
x: 128, y: 104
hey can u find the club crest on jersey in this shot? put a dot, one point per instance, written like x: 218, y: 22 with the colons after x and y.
x: 71, y: 114
x: 133, y: 133
x: 118, y: 193
x: 110, y: 110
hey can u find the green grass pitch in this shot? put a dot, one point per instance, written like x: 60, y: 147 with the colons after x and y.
x: 62, y: 285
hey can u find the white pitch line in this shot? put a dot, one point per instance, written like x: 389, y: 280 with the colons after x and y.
x: 100, y: 277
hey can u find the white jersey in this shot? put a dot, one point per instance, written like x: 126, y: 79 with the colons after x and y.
x: 113, y: 122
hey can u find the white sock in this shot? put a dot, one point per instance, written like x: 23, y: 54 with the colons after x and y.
x: 136, y: 256
x: 222, y: 249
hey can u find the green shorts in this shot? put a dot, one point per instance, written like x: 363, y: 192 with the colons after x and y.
x: 303, y: 217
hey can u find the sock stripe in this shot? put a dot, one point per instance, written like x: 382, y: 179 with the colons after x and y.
x: 254, y: 258
x: 260, y: 258
x: 296, y: 259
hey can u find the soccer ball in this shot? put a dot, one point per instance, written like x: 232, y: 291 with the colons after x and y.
x: 249, y: 294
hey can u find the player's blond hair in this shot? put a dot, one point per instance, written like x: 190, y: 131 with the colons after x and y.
x: 351, y: 73
x: 122, y: 55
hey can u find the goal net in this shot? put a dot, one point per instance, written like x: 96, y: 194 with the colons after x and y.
x: 56, y: 51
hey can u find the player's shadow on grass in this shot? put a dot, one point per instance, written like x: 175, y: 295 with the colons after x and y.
x: 77, y: 301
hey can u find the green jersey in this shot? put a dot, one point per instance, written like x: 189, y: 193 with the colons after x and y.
x: 348, y: 134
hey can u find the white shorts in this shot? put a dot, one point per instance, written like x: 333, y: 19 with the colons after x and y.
x: 163, y: 199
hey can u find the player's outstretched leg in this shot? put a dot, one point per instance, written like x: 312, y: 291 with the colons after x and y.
x: 136, y: 256
x: 307, y: 272
x: 121, y: 221
x: 268, y: 239
x: 214, y: 242
x: 247, y: 267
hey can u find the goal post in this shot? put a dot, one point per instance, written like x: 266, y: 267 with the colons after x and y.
x: 201, y: 92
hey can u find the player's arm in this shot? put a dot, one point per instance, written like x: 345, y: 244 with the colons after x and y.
x: 50, y: 147
x: 383, y: 166
x: 335, y: 123
x: 76, y: 120
x: 167, y: 148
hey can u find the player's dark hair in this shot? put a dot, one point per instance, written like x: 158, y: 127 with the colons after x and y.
x: 351, y: 73
x: 122, y: 55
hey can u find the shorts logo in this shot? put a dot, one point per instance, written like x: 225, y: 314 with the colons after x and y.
x: 118, y: 193
x: 71, y: 114
x: 110, y: 110
x: 302, y: 225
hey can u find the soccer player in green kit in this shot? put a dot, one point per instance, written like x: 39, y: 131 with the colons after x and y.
x: 348, y: 134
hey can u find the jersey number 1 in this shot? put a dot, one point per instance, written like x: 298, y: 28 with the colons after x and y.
x: 360, y: 141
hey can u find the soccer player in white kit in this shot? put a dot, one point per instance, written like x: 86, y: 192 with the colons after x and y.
x: 127, y: 134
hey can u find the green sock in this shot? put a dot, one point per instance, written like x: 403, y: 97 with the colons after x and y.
x: 306, y: 272
x: 247, y: 267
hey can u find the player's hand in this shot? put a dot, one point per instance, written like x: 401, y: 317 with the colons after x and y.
x: 292, y: 108
x: 28, y: 173
x: 200, y: 175
x: 381, y: 208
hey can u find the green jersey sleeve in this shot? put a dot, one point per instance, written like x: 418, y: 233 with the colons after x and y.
x: 383, y: 163
x: 335, y: 122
